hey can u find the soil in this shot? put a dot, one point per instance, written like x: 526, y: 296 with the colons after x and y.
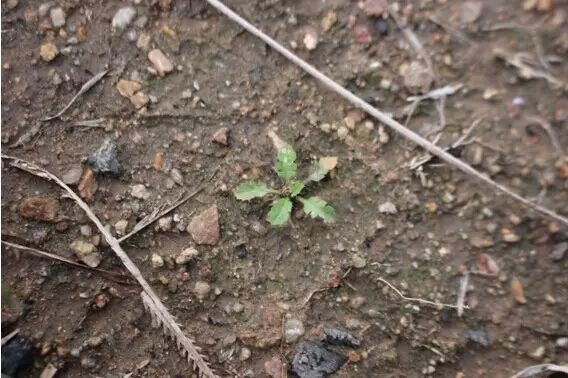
x: 259, y: 275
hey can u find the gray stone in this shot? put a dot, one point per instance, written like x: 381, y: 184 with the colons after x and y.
x: 105, y: 158
x: 387, y: 208
x: 294, y: 329
x: 139, y: 191
x: 123, y: 17
x: 73, y: 175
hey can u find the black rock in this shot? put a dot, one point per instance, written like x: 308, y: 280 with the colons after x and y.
x: 17, y: 355
x: 339, y: 337
x: 382, y: 27
x: 314, y: 361
x: 105, y: 158
x: 479, y: 336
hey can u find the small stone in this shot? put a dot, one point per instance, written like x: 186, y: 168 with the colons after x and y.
x: 480, y: 242
x: 94, y: 341
x: 88, y: 362
x: 545, y: 5
x: 382, y: 26
x: 123, y: 17
x: 57, y: 16
x: 387, y: 208
x: 470, y: 11
x: 73, y: 175
x: 358, y: 262
x: 11, y: 4
x: 204, y: 228
x: 244, y: 354
x: 275, y: 367
x: 518, y: 291
x: 87, y: 253
x: 357, y: 302
x: 328, y: 21
x: 221, y: 136
x: 48, y: 51
x: 88, y: 185
x: 105, y: 158
x: 509, y: 236
x: 165, y: 223
x: 417, y: 78
x: 139, y: 191
x: 177, y: 176
x: 294, y: 329
x: 127, y: 88
x: 491, y: 94
x: 383, y: 135
x: 157, y: 261
x: 362, y: 35
x: 139, y: 100
x: 39, y: 209
x: 202, y: 289
x: 161, y: 63
x: 311, y: 39
x: 562, y: 342
x: 187, y: 255
x: 144, y: 42
x: 342, y: 132
x: 186, y: 94
x: 559, y: 251
x: 86, y: 230
x: 479, y: 336
x: 538, y: 353
x: 120, y: 227
x: 238, y: 307
x: 448, y: 198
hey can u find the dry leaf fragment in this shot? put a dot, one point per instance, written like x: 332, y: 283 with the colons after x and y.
x: 518, y: 291
x: 328, y: 162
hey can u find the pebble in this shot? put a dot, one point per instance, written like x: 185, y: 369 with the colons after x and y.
x: 177, y: 176
x: 417, y: 78
x: 88, y: 362
x: 387, y: 208
x: 221, y: 136
x: 157, y: 261
x: 294, y: 329
x: 187, y: 255
x: 44, y: 8
x: 144, y: 42
x: 86, y: 252
x: 73, y: 175
x: 94, y: 341
x: 470, y: 11
x: 383, y: 135
x: 538, y: 353
x: 518, y: 291
x: 105, y: 158
x: 204, y: 228
x: 139, y: 100
x: 559, y: 251
x: 139, y: 191
x: 127, y: 88
x: 123, y: 17
x: 382, y: 26
x: 161, y: 63
x: 274, y: 367
x: 310, y: 40
x: 362, y: 35
x: 357, y: 302
x: 342, y: 132
x: 39, y: 208
x: 328, y: 21
x: 120, y: 227
x: 57, y: 16
x: 201, y: 289
x: 238, y: 307
x: 562, y: 342
x: 165, y: 223
x: 48, y: 51
x: 358, y: 262
x: 244, y: 354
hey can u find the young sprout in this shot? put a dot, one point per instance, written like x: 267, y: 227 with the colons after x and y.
x: 286, y: 168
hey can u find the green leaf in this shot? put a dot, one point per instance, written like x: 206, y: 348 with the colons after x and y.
x: 286, y: 165
x: 318, y: 208
x: 295, y: 188
x: 280, y: 212
x: 322, y: 168
x: 251, y: 189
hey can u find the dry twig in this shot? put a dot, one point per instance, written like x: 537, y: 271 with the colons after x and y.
x: 418, y: 300
x: 537, y: 370
x: 461, y: 293
x: 150, y: 298
x: 115, y: 276
x: 88, y: 85
x: 382, y: 117
x: 10, y: 336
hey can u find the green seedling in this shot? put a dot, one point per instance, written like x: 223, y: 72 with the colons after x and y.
x: 286, y: 168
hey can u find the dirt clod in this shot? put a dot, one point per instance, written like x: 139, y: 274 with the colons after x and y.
x: 204, y: 228
x: 39, y: 208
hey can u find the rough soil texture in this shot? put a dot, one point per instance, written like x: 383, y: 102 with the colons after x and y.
x: 237, y: 297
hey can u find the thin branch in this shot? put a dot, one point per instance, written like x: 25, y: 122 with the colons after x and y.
x: 549, y: 131
x: 461, y: 293
x: 151, y: 299
x: 10, y: 336
x: 88, y: 85
x: 417, y: 300
x: 536, y: 370
x: 384, y: 118
x: 157, y: 214
x: 118, y: 277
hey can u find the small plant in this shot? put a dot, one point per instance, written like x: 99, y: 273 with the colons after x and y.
x: 286, y: 168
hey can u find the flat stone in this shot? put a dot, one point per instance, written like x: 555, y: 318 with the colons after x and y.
x: 39, y: 209
x: 204, y: 228
x: 57, y: 16
x: 123, y: 17
x: 86, y: 252
x: 221, y: 136
x: 73, y: 175
x: 387, y: 208
x: 161, y: 62
x: 127, y: 88
x: 139, y: 100
x: 294, y: 329
x: 187, y: 255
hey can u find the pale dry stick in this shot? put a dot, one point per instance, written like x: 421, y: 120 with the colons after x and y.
x: 10, y: 336
x: 157, y: 214
x: 382, y: 117
x: 119, y: 277
x: 536, y: 370
x: 88, y: 85
x: 461, y: 293
x: 149, y: 297
x: 417, y: 300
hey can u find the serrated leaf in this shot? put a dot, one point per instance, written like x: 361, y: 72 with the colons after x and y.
x: 322, y: 168
x: 286, y: 165
x: 295, y: 188
x: 249, y: 190
x: 318, y: 208
x: 280, y: 212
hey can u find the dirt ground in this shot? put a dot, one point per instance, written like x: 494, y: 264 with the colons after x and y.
x: 419, y: 229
